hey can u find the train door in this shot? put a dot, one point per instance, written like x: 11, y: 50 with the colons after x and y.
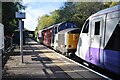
x: 96, y: 34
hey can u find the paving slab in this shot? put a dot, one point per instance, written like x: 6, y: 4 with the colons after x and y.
x: 41, y: 62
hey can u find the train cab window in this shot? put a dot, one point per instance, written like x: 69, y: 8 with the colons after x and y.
x: 86, y: 27
x: 77, y: 31
x: 66, y: 24
x: 97, y: 28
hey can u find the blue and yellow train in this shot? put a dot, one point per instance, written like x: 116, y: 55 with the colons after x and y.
x: 62, y: 37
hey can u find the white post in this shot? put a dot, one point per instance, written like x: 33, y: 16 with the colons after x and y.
x: 21, y: 40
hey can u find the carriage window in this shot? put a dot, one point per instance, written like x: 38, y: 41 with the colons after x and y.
x: 114, y: 41
x: 86, y: 27
x: 66, y: 24
x: 97, y: 28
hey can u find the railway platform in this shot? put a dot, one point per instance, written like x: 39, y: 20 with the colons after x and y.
x: 42, y: 63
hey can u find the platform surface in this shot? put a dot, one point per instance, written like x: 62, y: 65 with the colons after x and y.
x: 41, y: 63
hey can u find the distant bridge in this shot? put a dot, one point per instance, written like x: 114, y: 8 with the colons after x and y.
x: 30, y: 33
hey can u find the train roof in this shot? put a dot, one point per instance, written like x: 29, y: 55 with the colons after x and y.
x: 45, y: 28
x: 108, y: 10
x: 59, y: 24
x: 67, y: 30
x: 62, y: 23
x: 50, y: 27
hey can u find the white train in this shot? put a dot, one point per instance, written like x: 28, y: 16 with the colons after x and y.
x: 99, y: 41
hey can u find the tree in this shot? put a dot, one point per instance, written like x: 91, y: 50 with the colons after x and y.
x: 8, y: 16
x: 55, y: 16
x: 111, y: 4
x: 67, y: 11
x: 76, y: 12
x: 9, y: 21
x: 43, y: 21
x: 84, y: 9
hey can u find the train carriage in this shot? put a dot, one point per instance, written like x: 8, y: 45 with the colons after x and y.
x: 99, y: 41
x: 49, y: 35
x: 67, y: 41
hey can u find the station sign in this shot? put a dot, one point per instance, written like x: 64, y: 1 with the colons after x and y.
x: 20, y: 15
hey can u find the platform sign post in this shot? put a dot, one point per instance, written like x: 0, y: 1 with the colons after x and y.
x: 20, y: 16
x: 21, y: 40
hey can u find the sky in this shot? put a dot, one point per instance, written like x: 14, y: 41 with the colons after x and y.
x: 37, y: 8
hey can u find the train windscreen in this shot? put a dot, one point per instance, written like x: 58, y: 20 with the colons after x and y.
x: 76, y: 31
x: 66, y: 26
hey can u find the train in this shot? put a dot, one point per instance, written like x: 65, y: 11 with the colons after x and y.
x: 50, y: 37
x: 97, y: 43
x: 48, y: 34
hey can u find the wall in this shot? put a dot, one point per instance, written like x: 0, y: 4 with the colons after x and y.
x: 0, y: 12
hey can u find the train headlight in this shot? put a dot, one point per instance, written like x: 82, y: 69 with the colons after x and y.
x: 69, y: 46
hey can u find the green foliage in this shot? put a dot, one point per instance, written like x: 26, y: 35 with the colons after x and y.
x: 84, y: 9
x: 47, y: 20
x: 67, y: 11
x: 76, y: 12
x: 55, y: 16
x: 44, y: 21
x: 111, y: 4
x: 8, y: 16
